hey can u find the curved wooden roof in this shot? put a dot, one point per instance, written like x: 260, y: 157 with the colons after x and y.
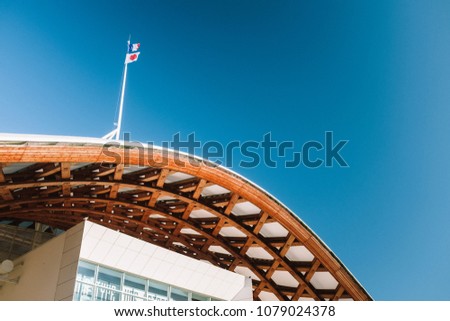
x: 173, y: 200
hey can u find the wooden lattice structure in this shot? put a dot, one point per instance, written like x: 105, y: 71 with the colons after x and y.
x: 175, y: 201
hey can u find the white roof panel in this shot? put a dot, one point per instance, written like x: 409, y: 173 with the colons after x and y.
x: 284, y: 278
x: 214, y: 190
x: 324, y: 281
x: 201, y: 214
x: 231, y: 231
x: 299, y: 253
x: 259, y: 253
x: 273, y: 229
x: 176, y: 177
x: 245, y: 208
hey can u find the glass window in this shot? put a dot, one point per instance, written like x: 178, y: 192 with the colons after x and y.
x: 105, y: 294
x: 99, y: 283
x: 157, y: 291
x: 133, y: 288
x: 108, y: 285
x: 83, y: 292
x: 178, y: 295
x: 86, y: 272
x: 198, y: 297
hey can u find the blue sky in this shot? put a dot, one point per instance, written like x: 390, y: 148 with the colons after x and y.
x: 376, y: 73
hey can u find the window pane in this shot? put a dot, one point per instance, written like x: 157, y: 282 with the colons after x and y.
x: 108, y: 283
x: 109, y: 279
x: 83, y: 292
x: 134, y: 287
x: 104, y: 294
x: 178, y: 295
x: 86, y: 272
x: 157, y: 291
x: 198, y: 297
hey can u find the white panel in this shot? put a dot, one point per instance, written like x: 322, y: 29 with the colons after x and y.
x: 259, y: 253
x: 201, y: 214
x: 165, y: 198
x: 123, y: 240
x: 205, y: 284
x: 183, y: 261
x: 139, y: 263
x: 218, y: 249
x: 179, y: 244
x: 113, y: 256
x: 214, y: 190
x: 87, y: 246
x: 245, y: 208
x: 324, y: 280
x: 99, y: 252
x: 268, y: 296
x: 176, y: 177
x: 162, y: 273
x: 171, y: 257
x: 136, y: 245
x: 189, y: 231
x: 194, y: 280
x: 242, y: 270
x: 126, y: 189
x: 231, y: 231
x: 126, y: 259
x: 274, y: 229
x: 130, y: 169
x: 151, y: 267
x: 110, y: 236
x: 299, y: 253
x: 96, y: 231
x: 155, y: 216
x: 149, y: 249
x: 305, y: 299
x: 284, y: 278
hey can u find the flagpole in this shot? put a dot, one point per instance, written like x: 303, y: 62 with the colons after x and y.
x: 122, y: 95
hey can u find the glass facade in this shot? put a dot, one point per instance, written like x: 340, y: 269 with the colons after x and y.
x: 98, y: 283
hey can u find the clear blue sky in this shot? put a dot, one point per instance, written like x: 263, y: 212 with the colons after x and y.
x: 374, y: 72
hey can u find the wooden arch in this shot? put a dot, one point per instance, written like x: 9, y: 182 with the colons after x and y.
x: 176, y: 201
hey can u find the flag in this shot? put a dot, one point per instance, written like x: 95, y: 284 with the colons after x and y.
x: 131, y: 57
x: 132, y: 47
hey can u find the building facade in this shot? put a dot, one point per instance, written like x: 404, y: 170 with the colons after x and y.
x: 179, y: 202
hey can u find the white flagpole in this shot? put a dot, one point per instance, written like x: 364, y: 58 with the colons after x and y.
x: 122, y: 95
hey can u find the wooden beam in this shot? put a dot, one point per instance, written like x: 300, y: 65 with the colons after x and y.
x: 153, y: 199
x: 287, y: 245
x: 200, y: 186
x: 162, y: 177
x: 272, y: 269
x: 260, y: 223
x: 2, y: 175
x: 118, y: 172
x: 233, y: 200
x: 340, y: 290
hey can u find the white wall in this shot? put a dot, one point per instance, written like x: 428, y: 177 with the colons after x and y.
x: 122, y: 252
x: 48, y: 272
